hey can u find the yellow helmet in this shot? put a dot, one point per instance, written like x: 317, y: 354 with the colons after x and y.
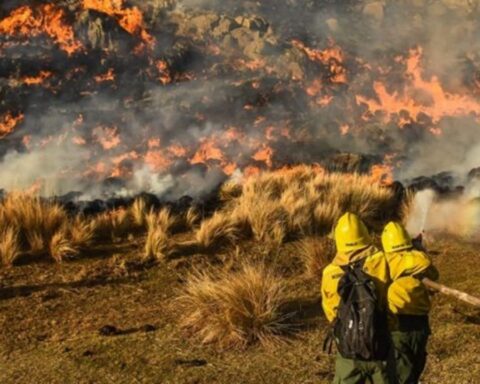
x: 395, y: 238
x: 351, y: 233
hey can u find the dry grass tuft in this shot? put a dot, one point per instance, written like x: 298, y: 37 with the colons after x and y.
x: 166, y: 221
x: 61, y: 246
x: 306, y: 201
x: 192, y: 217
x: 316, y: 253
x: 157, y: 245
x: 235, y: 309
x: 112, y: 225
x: 230, y: 190
x: 265, y: 219
x: 220, y: 229
x: 81, y: 232
x: 138, y: 212
x: 9, y: 246
x: 43, y: 227
x: 162, y: 220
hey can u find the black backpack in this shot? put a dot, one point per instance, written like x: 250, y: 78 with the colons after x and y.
x: 360, y: 328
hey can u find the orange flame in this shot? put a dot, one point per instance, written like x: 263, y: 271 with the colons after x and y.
x: 382, y: 174
x: 79, y: 140
x: 332, y: 57
x: 157, y: 160
x: 119, y: 170
x: 344, y: 129
x: 107, y: 137
x: 130, y: 19
x: 164, y: 72
x: 177, y: 150
x: 208, y: 151
x: 264, y: 154
x: 44, y: 19
x: 36, y: 80
x: 8, y: 123
x: 314, y: 88
x: 107, y: 76
x: 434, y: 102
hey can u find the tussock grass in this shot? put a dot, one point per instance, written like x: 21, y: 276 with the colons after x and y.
x: 61, y: 246
x: 229, y: 191
x: 165, y: 220
x: 138, y: 212
x: 81, y: 232
x: 112, y: 225
x: 42, y: 228
x: 192, y: 217
x: 235, y: 308
x: 220, y: 229
x: 266, y: 219
x: 157, y: 244
x: 271, y: 207
x: 316, y: 253
x: 162, y: 220
x: 306, y: 201
x: 9, y: 246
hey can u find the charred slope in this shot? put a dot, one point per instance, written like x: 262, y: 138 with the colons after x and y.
x: 174, y: 97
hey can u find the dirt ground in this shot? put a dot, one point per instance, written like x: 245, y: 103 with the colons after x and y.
x: 109, y: 319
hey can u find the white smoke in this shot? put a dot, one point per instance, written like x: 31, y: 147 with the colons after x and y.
x: 370, y: 33
x: 52, y: 168
x: 432, y: 215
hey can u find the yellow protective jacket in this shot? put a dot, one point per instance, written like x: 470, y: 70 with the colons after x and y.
x: 407, y: 295
x: 375, y: 265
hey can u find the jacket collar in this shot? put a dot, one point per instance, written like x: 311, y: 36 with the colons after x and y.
x: 344, y: 258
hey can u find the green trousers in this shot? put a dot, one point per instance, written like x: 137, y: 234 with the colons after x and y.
x: 408, y: 355
x: 349, y: 371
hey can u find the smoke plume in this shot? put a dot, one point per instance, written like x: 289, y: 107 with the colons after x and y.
x: 117, y: 97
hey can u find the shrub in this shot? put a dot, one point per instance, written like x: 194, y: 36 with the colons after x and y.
x: 235, y: 309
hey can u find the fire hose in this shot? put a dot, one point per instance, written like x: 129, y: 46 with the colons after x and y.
x: 465, y: 297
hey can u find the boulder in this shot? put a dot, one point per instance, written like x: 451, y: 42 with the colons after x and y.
x: 225, y: 25
x: 254, y: 23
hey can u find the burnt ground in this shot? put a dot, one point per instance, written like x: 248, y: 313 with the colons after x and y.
x: 109, y: 319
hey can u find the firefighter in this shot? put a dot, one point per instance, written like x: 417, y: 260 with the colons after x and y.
x: 354, y: 245
x: 408, y: 304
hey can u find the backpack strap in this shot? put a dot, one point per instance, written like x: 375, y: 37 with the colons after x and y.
x: 359, y: 263
x: 328, y: 342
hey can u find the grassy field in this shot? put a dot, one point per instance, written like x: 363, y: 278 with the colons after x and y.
x: 128, y: 312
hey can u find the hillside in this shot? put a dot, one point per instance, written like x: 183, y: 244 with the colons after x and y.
x: 111, y: 314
